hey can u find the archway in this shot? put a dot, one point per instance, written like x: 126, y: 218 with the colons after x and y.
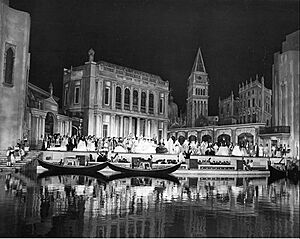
x: 49, y: 124
x: 224, y: 139
x: 193, y: 138
x: 245, y: 138
x: 181, y: 139
x: 206, y: 138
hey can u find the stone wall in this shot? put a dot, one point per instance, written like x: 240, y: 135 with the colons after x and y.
x: 14, y: 34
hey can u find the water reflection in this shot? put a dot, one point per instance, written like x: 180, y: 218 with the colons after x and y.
x: 118, y: 206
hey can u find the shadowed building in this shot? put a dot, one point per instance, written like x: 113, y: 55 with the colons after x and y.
x: 229, y: 110
x: 116, y: 101
x: 255, y: 102
x: 285, y: 85
x: 14, y: 67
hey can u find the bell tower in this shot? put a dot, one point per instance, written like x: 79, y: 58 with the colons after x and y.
x: 197, y: 86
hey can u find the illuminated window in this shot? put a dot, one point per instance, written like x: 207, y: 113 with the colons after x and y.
x: 106, y: 95
x: 143, y: 102
x: 76, y: 95
x: 127, y: 99
x: 118, y: 97
x: 151, y: 103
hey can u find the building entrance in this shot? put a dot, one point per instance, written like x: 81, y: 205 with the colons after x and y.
x: 49, y: 124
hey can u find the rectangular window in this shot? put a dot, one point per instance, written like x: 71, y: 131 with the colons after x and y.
x: 249, y: 103
x: 161, y: 105
x: 66, y: 95
x: 105, y: 130
x: 106, y: 95
x: 253, y: 102
x: 76, y: 95
x: 96, y: 93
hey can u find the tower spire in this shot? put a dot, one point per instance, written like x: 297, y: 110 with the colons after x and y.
x: 199, y: 63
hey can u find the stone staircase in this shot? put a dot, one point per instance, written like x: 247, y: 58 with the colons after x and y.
x: 28, y: 163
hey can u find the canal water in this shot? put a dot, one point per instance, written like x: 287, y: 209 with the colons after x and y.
x: 94, y: 206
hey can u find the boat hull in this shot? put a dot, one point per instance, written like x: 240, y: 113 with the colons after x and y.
x: 142, y: 172
x: 276, y: 173
x: 72, y: 169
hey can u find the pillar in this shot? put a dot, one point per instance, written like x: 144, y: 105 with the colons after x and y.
x: 130, y: 124
x: 138, y: 127
x: 147, y: 101
x: 100, y: 93
x: 139, y: 100
x: 113, y: 125
x: 97, y: 133
x: 113, y: 96
x: 123, y: 97
x: 121, y: 125
x: 100, y: 125
x: 131, y: 98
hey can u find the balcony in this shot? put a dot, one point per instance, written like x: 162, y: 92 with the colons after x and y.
x: 275, y: 130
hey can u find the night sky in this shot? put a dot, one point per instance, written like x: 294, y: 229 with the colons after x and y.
x: 237, y: 38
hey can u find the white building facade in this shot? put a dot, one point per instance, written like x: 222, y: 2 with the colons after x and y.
x: 116, y: 101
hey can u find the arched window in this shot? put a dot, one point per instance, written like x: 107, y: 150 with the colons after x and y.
x: 143, y: 102
x: 151, y: 103
x: 203, y: 91
x: 9, y: 66
x: 118, y: 97
x: 135, y: 100
x: 127, y: 99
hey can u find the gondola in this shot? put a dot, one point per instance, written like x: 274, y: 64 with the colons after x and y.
x: 72, y: 169
x: 134, y: 175
x: 277, y: 173
x: 143, y: 172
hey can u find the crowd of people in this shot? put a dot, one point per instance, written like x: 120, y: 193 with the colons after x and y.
x: 17, y: 153
x: 141, y: 144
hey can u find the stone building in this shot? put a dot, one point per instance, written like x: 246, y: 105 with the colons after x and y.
x: 229, y: 110
x: 14, y: 68
x: 285, y: 86
x: 43, y: 116
x: 255, y: 102
x: 116, y: 101
x: 197, y: 87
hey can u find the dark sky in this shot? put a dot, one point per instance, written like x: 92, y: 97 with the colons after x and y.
x: 237, y: 38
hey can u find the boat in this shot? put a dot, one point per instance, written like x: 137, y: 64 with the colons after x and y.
x: 72, y: 169
x: 143, y: 172
x: 276, y: 172
x: 133, y: 175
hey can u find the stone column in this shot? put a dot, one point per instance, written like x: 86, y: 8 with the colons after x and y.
x: 113, y: 125
x: 166, y: 104
x: 100, y: 125
x: 138, y: 127
x: 130, y: 125
x: 100, y: 93
x: 97, y: 126
x: 69, y: 122
x: 113, y: 96
x: 121, y: 125
x: 123, y: 97
x: 131, y: 98
x: 36, y: 135
x: 155, y: 102
x: 139, y: 100
x: 147, y: 101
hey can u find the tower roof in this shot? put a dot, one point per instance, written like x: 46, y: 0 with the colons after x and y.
x: 199, y: 63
